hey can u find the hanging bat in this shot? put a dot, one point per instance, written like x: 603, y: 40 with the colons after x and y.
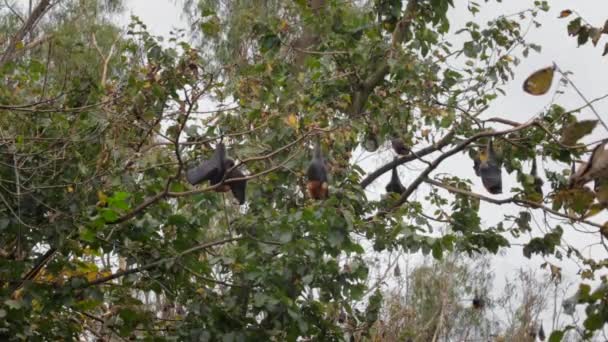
x: 214, y: 170
x: 211, y: 170
x: 595, y: 168
x: 237, y: 187
x: 541, y: 333
x: 488, y: 168
x: 399, y: 147
x: 317, y: 175
x: 538, y: 182
x: 478, y: 302
x: 395, y: 185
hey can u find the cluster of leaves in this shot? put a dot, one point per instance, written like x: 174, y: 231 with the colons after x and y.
x: 584, y: 31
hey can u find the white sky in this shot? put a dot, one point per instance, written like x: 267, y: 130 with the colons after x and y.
x: 590, y: 75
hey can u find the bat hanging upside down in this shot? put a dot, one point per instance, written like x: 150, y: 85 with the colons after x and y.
x: 214, y: 170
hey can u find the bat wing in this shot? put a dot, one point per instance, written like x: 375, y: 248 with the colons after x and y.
x: 395, y: 188
x: 317, y: 171
x: 206, y: 170
x: 211, y: 170
x: 238, y: 188
x: 599, y: 162
x: 395, y: 185
x: 491, y: 177
x: 476, y: 165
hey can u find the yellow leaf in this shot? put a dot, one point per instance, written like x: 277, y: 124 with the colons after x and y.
x: 564, y: 13
x: 19, y: 45
x: 594, y: 209
x: 284, y: 26
x: 70, y: 189
x: 102, y: 199
x: 540, y: 81
x: 200, y: 291
x: 292, y: 121
x: 91, y: 276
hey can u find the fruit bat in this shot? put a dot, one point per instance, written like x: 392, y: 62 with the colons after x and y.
x: 488, y: 168
x: 478, y: 302
x: 538, y: 182
x: 399, y: 147
x: 370, y: 142
x: 595, y: 168
x: 342, y: 316
x: 317, y: 175
x: 476, y: 163
x: 214, y: 169
x: 211, y: 170
x: 395, y: 185
x: 237, y: 187
x: 541, y: 333
x: 569, y: 304
x: 397, y: 271
x: 601, y: 191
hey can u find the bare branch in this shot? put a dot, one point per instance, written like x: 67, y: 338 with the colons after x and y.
x: 446, y: 140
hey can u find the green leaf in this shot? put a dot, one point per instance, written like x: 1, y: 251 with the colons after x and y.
x: 335, y: 238
x: 594, y: 322
x: 88, y: 235
x: 583, y: 35
x: 211, y: 26
x: 177, y: 220
x: 556, y: 336
x: 574, y: 27
x: 437, y: 250
x: 109, y: 215
x: 269, y: 42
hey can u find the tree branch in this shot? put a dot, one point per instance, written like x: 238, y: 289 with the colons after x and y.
x: 27, y: 27
x: 513, y: 200
x: 153, y: 264
x: 446, y: 140
x: 461, y: 146
x: 360, y: 96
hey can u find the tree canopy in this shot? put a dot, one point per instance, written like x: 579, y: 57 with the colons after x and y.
x: 103, y: 235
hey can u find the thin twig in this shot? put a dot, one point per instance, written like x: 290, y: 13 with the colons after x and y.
x: 584, y: 98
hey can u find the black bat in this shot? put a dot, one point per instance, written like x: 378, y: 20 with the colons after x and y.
x: 237, y: 187
x: 211, y: 170
x: 395, y: 185
x: 317, y: 175
x: 490, y: 170
x: 399, y: 147
x: 214, y: 170
x: 538, y: 182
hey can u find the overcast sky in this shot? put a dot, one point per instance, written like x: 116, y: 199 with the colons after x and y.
x: 590, y: 75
